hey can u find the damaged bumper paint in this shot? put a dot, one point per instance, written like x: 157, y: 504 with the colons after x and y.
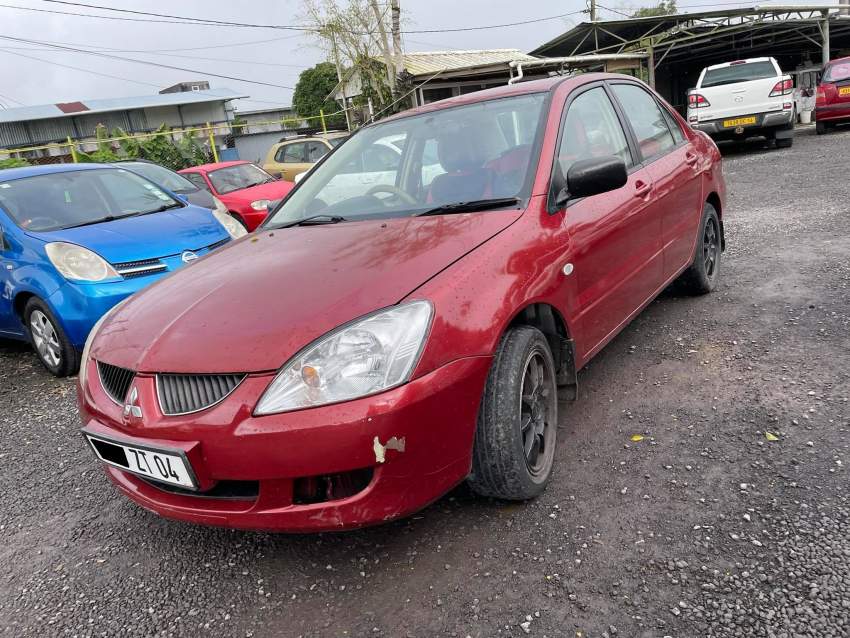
x: 334, y: 467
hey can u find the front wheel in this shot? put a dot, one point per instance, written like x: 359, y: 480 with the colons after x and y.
x: 514, y: 448
x: 702, y: 275
x: 51, y: 344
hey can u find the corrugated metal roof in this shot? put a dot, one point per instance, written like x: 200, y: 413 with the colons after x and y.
x: 46, y: 111
x: 434, y: 61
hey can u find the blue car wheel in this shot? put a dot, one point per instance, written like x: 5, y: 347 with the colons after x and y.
x: 49, y: 340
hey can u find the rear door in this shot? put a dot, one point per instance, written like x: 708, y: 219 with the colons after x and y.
x: 741, y: 88
x: 674, y: 165
x: 615, y: 237
x: 289, y: 160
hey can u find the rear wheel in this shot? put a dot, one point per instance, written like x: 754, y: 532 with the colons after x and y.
x: 702, y: 275
x: 514, y: 448
x: 821, y: 127
x: 49, y: 340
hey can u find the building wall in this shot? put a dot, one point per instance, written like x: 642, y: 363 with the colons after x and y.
x: 254, y: 148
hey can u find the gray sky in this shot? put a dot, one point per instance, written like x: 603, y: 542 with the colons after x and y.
x: 30, y: 81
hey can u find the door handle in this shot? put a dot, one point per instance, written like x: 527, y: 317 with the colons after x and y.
x: 690, y: 158
x: 642, y: 188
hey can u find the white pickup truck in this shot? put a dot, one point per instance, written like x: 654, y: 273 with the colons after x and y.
x: 745, y: 98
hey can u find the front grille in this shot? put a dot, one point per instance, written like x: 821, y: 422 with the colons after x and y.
x: 116, y: 381
x: 139, y: 268
x: 185, y: 393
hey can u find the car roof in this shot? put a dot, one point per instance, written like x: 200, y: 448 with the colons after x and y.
x: 846, y: 58
x: 736, y: 62
x: 208, y: 168
x: 8, y: 174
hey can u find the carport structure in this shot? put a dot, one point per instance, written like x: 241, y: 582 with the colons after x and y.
x: 677, y: 47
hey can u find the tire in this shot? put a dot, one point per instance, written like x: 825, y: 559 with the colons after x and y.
x: 509, y: 461
x: 49, y: 340
x: 701, y: 276
x: 820, y: 128
x: 787, y: 142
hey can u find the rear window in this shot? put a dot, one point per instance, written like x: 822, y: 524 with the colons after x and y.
x: 837, y: 72
x: 738, y: 73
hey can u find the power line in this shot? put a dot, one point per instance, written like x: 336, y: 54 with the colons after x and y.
x: 209, y: 21
x: 8, y: 99
x: 76, y: 68
x: 146, y: 62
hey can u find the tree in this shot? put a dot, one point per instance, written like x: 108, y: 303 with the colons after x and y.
x: 663, y: 8
x: 313, y: 86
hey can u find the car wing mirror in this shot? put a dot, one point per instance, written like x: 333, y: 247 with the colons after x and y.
x: 593, y: 177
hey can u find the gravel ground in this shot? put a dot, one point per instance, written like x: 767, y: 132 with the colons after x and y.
x: 729, y: 518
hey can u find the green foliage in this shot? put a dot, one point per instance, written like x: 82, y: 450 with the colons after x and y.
x: 238, y: 124
x: 313, y: 86
x: 663, y: 8
x: 13, y: 162
x: 193, y: 150
x: 159, y: 148
x: 104, y: 153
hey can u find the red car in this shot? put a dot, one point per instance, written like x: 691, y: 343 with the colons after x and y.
x: 244, y: 188
x: 833, y: 98
x: 405, y: 319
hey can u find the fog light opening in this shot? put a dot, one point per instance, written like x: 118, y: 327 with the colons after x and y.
x: 330, y: 487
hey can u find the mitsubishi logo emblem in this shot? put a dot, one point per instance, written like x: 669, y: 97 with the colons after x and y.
x: 132, y: 407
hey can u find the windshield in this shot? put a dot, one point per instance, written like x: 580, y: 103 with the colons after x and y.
x: 76, y: 198
x: 739, y: 73
x: 837, y: 72
x: 480, y: 151
x: 233, y: 178
x: 162, y: 176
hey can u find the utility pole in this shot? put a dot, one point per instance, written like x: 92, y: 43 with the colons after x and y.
x: 593, y: 10
x: 341, y: 81
x: 396, y: 29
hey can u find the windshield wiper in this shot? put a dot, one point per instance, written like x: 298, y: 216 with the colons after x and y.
x: 313, y: 220
x: 101, y: 220
x: 470, y: 206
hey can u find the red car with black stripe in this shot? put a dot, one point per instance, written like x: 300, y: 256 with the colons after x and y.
x: 832, y: 105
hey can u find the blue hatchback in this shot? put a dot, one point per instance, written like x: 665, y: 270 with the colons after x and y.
x: 76, y: 239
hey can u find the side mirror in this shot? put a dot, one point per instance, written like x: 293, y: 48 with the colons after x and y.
x: 595, y: 176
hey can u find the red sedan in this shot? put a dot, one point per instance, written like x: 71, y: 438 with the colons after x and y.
x: 833, y: 99
x: 407, y: 318
x: 244, y: 188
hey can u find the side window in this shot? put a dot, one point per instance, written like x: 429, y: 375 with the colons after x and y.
x: 316, y: 151
x: 197, y: 180
x: 675, y: 129
x: 291, y: 154
x: 647, y: 120
x: 592, y: 129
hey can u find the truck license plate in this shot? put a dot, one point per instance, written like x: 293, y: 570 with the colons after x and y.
x: 739, y: 121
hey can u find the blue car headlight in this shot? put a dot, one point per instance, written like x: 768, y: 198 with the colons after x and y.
x: 76, y: 263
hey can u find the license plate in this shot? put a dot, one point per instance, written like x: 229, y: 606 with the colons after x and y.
x: 740, y: 121
x: 844, y: 90
x: 159, y: 465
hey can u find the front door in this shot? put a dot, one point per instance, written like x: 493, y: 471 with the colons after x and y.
x: 9, y: 323
x: 615, y: 238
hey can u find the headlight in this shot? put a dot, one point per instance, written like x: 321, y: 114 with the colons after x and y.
x: 84, y: 358
x: 79, y: 264
x: 370, y: 355
x: 260, y: 204
x: 233, y: 227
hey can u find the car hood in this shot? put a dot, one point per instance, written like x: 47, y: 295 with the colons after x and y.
x: 146, y: 236
x: 273, y: 190
x: 252, y: 305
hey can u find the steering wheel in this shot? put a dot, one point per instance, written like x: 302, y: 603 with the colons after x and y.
x: 392, y: 190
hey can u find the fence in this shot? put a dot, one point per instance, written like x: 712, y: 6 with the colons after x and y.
x: 79, y: 150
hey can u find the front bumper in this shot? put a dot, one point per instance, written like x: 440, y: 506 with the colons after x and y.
x: 772, y: 120
x: 432, y: 420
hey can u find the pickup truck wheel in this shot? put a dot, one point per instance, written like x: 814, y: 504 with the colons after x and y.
x: 701, y: 276
x: 514, y: 447
x: 49, y: 340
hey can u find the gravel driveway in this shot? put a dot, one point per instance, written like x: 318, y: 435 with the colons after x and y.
x: 729, y: 518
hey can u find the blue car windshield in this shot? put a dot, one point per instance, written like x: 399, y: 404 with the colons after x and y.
x: 174, y: 182
x: 56, y: 201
